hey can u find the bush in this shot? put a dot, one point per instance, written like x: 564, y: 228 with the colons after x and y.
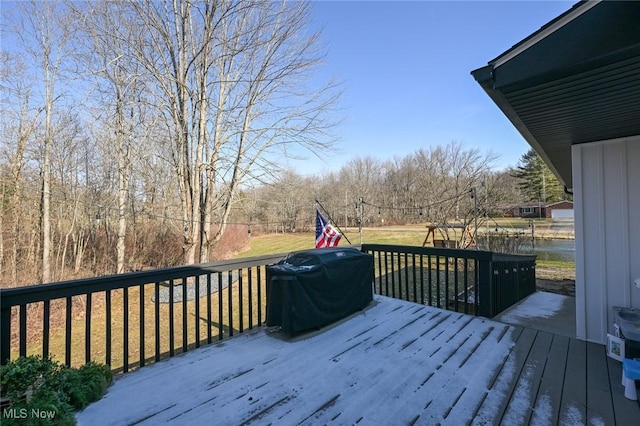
x: 39, y: 391
x: 505, y: 243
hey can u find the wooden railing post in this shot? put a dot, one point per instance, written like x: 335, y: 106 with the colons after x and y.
x: 486, y: 288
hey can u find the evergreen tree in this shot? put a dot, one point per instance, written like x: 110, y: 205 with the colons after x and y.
x: 536, y: 181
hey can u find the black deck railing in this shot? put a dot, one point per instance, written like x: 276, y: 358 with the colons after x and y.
x: 133, y: 319
x: 470, y: 281
x: 129, y: 320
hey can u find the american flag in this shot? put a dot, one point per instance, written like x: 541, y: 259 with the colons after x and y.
x: 326, y: 234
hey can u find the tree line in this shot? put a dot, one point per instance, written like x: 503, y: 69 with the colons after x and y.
x: 115, y: 111
x: 150, y: 133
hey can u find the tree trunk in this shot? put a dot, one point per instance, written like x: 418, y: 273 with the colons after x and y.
x: 123, y: 183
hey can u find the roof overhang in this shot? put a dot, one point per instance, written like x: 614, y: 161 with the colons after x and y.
x: 576, y: 80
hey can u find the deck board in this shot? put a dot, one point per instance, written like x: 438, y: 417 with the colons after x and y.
x: 574, y: 393
x: 599, y: 402
x: 547, y: 406
x: 500, y: 394
x: 394, y: 363
x: 519, y: 410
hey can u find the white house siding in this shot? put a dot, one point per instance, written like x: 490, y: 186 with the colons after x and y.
x: 606, y: 177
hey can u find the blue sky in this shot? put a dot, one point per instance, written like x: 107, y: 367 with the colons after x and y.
x: 405, y: 68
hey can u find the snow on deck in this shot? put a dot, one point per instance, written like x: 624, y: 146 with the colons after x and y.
x: 394, y: 363
x: 551, y: 312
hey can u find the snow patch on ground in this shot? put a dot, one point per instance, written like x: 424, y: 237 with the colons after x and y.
x: 538, y: 305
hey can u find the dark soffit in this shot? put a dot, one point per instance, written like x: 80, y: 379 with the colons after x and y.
x: 576, y: 80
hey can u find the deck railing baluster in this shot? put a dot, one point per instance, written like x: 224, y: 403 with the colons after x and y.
x: 107, y: 331
x: 46, y: 315
x: 260, y: 320
x: 407, y: 296
x: 447, y: 283
x: 430, y: 281
x: 172, y: 350
x: 250, y: 290
x: 141, y: 324
x: 456, y: 293
x: 421, y: 279
x: 87, y: 330
x: 415, y: 281
x: 438, y: 301
x: 125, y: 330
x: 240, y: 302
x: 393, y: 275
x: 381, y: 275
x: 185, y: 330
x: 67, y: 339
x: 230, y: 307
x: 23, y: 330
x: 466, y: 285
x: 386, y: 274
x: 157, y: 320
x: 196, y: 319
x: 220, y: 310
x: 209, y: 336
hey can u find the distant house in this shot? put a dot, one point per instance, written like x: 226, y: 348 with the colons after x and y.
x: 560, y: 210
x: 572, y: 90
x: 557, y: 210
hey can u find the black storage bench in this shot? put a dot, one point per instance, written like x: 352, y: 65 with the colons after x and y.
x: 314, y: 288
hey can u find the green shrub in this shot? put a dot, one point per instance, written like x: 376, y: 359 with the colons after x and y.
x: 86, y: 384
x: 40, y: 391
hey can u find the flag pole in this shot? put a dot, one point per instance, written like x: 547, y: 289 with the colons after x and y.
x: 331, y: 220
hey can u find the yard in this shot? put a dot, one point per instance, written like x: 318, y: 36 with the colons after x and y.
x: 557, y: 276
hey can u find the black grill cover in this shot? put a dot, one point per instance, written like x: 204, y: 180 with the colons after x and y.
x: 314, y: 288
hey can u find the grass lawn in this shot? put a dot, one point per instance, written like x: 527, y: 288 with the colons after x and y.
x: 410, y: 235
x: 285, y: 243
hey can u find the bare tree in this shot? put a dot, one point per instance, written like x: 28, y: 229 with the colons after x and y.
x: 45, y: 34
x: 66, y: 170
x: 19, y: 119
x: 229, y: 78
x: 116, y: 72
x: 361, y: 180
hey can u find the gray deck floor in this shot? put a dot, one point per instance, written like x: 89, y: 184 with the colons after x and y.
x: 394, y: 363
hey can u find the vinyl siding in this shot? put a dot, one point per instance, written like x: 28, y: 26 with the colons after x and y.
x: 607, y: 205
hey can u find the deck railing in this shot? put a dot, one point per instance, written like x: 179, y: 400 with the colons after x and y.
x: 129, y: 320
x: 470, y: 281
x: 133, y: 319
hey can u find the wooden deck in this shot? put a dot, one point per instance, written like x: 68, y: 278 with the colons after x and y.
x: 394, y: 363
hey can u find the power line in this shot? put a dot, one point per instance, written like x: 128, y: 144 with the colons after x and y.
x: 423, y: 207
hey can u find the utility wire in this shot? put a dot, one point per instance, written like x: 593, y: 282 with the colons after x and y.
x: 423, y: 207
